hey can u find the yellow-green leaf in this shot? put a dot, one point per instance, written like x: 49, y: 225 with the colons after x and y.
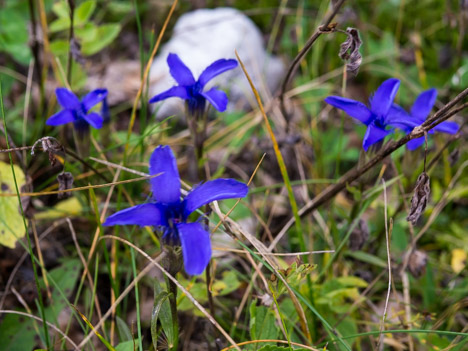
x: 66, y: 208
x: 11, y: 220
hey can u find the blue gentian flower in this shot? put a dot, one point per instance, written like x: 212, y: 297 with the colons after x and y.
x: 191, y: 90
x: 77, y: 111
x: 378, y: 116
x: 419, y: 112
x: 170, y: 214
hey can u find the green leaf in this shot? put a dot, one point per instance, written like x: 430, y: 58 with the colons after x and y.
x: 105, y: 35
x: 279, y: 348
x: 60, y: 24
x: 61, y: 9
x: 127, y: 345
x: 17, y: 333
x: 59, y: 47
x: 368, y: 258
x: 161, y: 312
x: 352, y: 281
x: 262, y: 323
x: 124, y: 331
x: 11, y: 220
x: 83, y: 12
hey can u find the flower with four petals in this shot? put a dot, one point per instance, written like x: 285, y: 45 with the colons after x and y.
x: 169, y: 213
x: 77, y: 111
x: 191, y: 90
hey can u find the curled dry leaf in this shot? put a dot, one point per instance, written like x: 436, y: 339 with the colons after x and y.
x: 359, y: 236
x: 49, y: 145
x: 420, y: 198
x: 349, y: 51
x: 417, y: 263
x: 65, y: 180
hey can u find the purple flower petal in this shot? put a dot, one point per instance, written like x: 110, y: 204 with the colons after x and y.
x: 215, y: 69
x: 353, y: 108
x: 62, y: 117
x: 67, y: 99
x: 373, y: 135
x: 196, y: 247
x: 177, y: 91
x: 94, y: 97
x: 213, y: 190
x: 142, y: 215
x: 423, y: 104
x: 217, y: 98
x: 94, y: 119
x: 447, y: 127
x: 179, y: 70
x: 384, y: 96
x: 399, y: 118
x: 165, y: 187
x: 413, y: 144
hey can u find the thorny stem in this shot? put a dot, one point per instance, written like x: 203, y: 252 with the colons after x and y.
x: 292, y: 68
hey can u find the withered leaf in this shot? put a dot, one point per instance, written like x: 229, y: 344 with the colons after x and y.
x: 359, y: 236
x: 417, y: 263
x: 349, y: 51
x: 65, y: 180
x: 420, y: 198
x: 51, y: 146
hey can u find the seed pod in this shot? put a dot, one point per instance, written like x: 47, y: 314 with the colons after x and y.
x: 420, y: 198
x: 417, y: 263
x: 65, y: 180
x: 349, y: 51
x: 359, y: 236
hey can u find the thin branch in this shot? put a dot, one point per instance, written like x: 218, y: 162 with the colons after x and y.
x: 307, y: 46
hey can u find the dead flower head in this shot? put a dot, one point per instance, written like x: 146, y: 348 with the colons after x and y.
x: 420, y: 198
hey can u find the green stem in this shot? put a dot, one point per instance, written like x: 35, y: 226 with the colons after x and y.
x: 172, y: 288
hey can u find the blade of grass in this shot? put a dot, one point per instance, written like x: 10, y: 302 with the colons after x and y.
x: 279, y: 158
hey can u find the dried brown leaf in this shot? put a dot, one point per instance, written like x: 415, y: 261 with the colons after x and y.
x: 49, y: 145
x: 349, y: 51
x: 420, y: 198
x: 65, y: 180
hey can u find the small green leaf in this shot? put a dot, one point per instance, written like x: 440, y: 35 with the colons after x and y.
x: 161, y: 311
x: 262, y: 323
x: 368, y: 258
x: 105, y: 35
x: 61, y: 9
x: 83, y: 12
x: 59, y: 47
x: 60, y: 24
x: 129, y: 345
x: 124, y: 331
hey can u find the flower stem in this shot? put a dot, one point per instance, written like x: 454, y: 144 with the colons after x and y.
x: 172, y: 288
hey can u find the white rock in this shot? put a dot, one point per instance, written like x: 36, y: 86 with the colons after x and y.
x: 204, y: 36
